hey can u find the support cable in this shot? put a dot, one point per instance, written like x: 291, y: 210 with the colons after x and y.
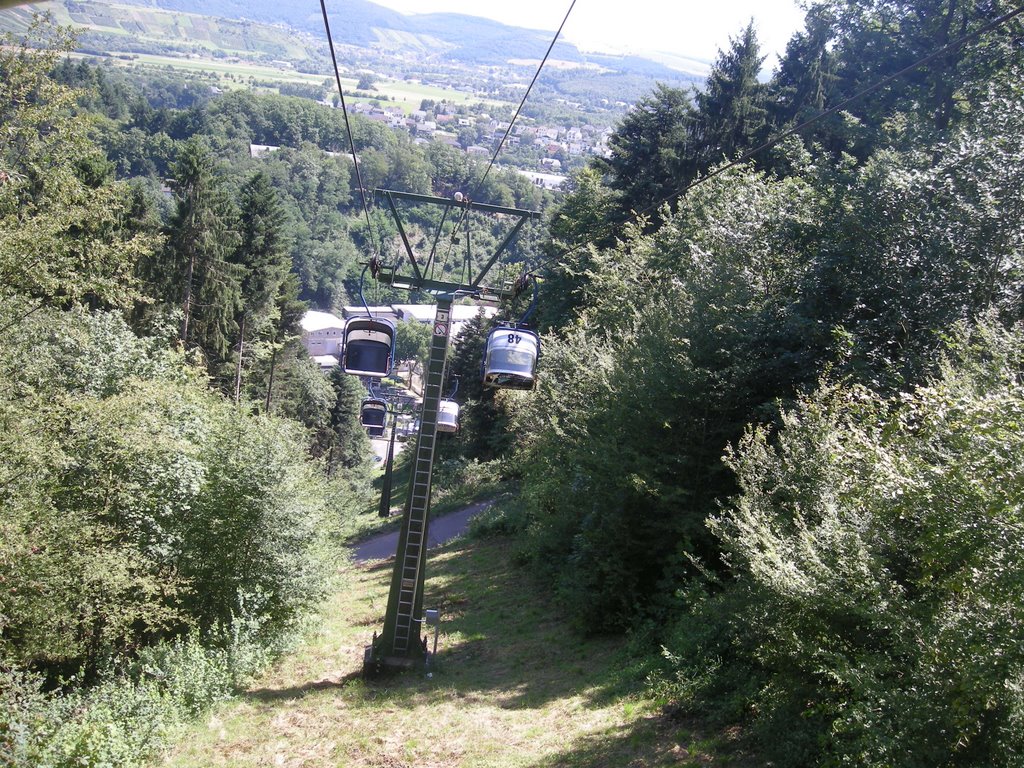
x: 362, y: 280
x: 522, y: 103
x: 525, y: 96
x: 522, y: 281
x: 348, y: 128
x: 637, y: 215
x: 433, y: 250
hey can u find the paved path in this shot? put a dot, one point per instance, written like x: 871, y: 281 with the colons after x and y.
x: 440, y: 531
x: 380, y: 447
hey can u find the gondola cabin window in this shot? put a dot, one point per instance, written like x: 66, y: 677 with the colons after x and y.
x: 510, y: 360
x: 369, y: 346
x: 373, y: 413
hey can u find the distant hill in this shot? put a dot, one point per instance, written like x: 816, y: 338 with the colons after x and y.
x: 352, y: 23
x: 146, y: 27
x: 468, y: 39
x: 271, y: 32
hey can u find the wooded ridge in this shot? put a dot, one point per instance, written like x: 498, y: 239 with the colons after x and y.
x: 775, y: 440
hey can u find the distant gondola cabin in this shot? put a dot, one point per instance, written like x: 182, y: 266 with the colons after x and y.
x: 369, y: 346
x: 510, y: 359
x: 373, y: 413
x: 448, y: 416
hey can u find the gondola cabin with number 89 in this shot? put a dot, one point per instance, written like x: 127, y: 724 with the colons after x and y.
x: 510, y: 359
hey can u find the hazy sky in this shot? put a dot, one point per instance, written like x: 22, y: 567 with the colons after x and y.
x: 695, y: 28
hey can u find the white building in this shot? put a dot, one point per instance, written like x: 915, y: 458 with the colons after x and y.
x: 259, y: 150
x: 382, y: 311
x: 424, y: 313
x: 551, y: 181
x: 322, y: 336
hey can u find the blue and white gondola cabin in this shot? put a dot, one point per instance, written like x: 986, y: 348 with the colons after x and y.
x: 369, y: 346
x: 448, y: 416
x: 510, y: 359
x: 373, y: 413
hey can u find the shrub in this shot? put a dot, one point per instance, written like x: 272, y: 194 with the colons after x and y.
x: 142, y: 504
x: 123, y: 719
x: 876, y: 547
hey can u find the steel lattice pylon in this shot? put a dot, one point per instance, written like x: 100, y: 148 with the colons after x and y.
x: 400, y: 645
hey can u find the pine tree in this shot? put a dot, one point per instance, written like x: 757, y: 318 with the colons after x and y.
x: 806, y: 73
x: 200, y: 242
x: 731, y: 114
x: 263, y: 256
x: 649, y: 151
x: 290, y: 310
x: 348, y: 444
x: 583, y: 217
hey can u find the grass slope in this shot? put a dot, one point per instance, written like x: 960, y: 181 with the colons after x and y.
x: 513, y: 687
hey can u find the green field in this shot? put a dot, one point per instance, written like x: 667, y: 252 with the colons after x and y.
x: 162, y: 28
x: 245, y: 48
x: 221, y: 68
x: 403, y: 94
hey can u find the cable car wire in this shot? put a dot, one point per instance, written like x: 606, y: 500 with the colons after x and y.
x: 348, y: 127
x: 508, y: 130
x: 533, y: 302
x: 362, y: 280
x: 637, y: 215
x: 437, y: 237
x: 526, y: 95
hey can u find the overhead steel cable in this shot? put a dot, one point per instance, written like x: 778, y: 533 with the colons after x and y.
x: 348, y: 127
x: 508, y: 130
x: 525, y: 97
x: 637, y: 215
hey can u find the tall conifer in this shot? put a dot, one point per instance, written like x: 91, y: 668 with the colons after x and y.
x: 731, y: 114
x: 262, y: 256
x: 200, y: 242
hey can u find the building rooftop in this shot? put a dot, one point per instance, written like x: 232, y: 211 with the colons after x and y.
x: 326, y: 361
x: 315, y: 320
x: 382, y: 311
x: 320, y: 321
x: 424, y: 313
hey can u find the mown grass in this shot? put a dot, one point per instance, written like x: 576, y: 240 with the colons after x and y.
x: 512, y: 687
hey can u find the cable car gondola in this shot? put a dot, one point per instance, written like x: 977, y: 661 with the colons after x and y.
x: 372, y: 414
x: 369, y: 346
x: 510, y: 358
x: 448, y: 416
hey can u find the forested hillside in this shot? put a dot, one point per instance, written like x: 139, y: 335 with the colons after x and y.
x: 175, y: 472
x: 776, y: 434
x: 459, y: 37
x: 776, y: 438
x: 167, y: 519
